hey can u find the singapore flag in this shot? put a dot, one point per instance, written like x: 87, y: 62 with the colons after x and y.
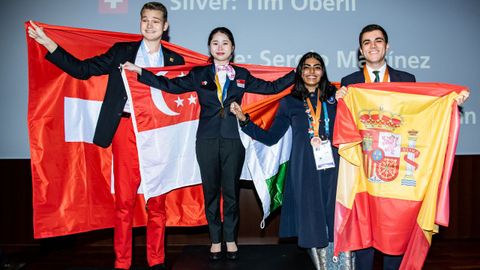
x: 165, y: 126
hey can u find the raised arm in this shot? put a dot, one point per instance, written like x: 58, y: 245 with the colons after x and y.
x: 36, y: 32
x: 268, y: 137
x: 80, y: 69
x: 462, y: 97
x: 177, y: 85
x: 259, y: 86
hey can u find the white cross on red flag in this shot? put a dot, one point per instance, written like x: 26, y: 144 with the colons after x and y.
x: 112, y: 6
x: 71, y: 177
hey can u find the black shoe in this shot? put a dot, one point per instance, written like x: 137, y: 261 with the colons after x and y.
x: 215, y: 256
x: 158, y: 267
x: 232, y: 255
x: 12, y: 266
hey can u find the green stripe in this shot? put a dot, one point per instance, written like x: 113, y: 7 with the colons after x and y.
x: 275, y: 186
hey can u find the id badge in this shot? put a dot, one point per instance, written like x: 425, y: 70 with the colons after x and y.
x: 323, y: 155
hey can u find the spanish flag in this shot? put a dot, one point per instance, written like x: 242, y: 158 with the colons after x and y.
x: 397, y: 142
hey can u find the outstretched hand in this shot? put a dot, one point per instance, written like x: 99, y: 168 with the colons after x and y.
x: 132, y: 67
x: 462, y: 97
x: 237, y: 111
x: 36, y: 32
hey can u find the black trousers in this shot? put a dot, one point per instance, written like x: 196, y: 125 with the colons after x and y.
x: 221, y: 161
x: 364, y: 260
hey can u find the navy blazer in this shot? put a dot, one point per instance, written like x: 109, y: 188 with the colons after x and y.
x: 395, y: 76
x: 213, y: 122
x: 107, y: 64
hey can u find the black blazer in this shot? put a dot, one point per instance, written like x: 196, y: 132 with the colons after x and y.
x: 213, y: 122
x: 395, y: 76
x: 116, y: 95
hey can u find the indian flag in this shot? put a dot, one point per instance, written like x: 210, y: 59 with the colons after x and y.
x: 266, y: 165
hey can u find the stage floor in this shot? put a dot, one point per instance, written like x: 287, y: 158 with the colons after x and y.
x: 444, y: 254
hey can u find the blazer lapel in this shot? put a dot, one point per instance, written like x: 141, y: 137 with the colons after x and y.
x: 393, y: 74
x: 208, y: 78
x: 361, y: 77
x: 168, y: 59
x: 232, y: 85
x: 132, y: 50
x: 228, y: 82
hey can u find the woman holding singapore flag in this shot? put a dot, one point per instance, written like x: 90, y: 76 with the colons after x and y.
x: 219, y: 151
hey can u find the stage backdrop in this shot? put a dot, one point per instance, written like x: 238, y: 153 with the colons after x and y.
x: 436, y: 40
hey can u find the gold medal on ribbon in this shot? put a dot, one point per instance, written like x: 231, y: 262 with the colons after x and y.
x: 222, y: 113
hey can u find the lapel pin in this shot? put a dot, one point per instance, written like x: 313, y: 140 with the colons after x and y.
x: 241, y: 83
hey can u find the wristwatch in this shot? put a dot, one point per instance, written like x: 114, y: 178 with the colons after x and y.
x: 246, y: 121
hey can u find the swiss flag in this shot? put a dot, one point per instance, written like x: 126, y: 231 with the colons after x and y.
x: 72, y: 180
x: 112, y: 6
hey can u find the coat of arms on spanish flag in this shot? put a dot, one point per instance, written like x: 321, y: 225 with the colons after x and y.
x: 397, y: 142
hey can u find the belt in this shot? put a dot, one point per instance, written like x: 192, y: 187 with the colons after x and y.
x: 125, y: 115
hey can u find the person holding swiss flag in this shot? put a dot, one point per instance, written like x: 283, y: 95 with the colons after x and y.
x: 114, y: 126
x: 219, y: 151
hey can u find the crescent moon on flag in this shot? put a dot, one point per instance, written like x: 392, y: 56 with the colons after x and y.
x: 159, y: 101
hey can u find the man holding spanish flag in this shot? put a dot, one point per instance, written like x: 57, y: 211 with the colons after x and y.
x: 373, y: 41
x: 382, y: 182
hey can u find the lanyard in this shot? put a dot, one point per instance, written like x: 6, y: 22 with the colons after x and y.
x: 315, y: 121
x: 221, y: 92
x: 146, y: 59
x: 367, y: 75
x: 327, y: 120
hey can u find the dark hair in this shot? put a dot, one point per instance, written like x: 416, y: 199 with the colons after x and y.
x: 155, y: 6
x: 370, y: 28
x: 229, y: 35
x: 327, y: 91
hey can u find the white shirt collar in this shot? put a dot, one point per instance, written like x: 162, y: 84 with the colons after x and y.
x: 381, y: 74
x: 150, y: 59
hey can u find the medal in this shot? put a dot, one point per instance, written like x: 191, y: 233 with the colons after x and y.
x: 322, y: 150
x: 222, y: 113
x: 316, y: 142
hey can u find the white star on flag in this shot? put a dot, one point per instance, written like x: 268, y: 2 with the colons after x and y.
x: 179, y: 101
x: 192, y: 100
